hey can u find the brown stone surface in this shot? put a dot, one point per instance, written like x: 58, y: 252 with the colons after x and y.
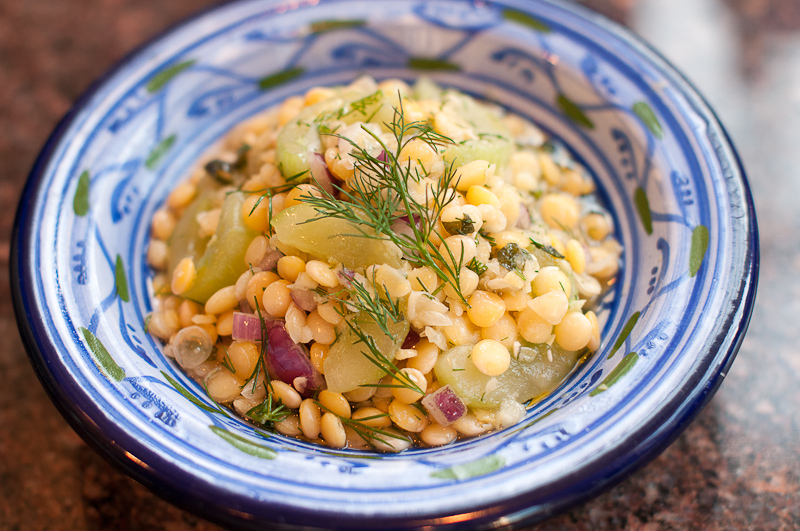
x: 736, y: 467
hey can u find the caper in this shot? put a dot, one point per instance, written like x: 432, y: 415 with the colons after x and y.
x: 512, y: 256
x: 220, y: 171
x: 462, y: 226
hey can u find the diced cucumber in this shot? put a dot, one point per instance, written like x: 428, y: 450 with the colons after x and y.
x: 523, y: 380
x: 348, y: 364
x: 494, y: 138
x: 377, y: 108
x: 495, y: 150
x: 333, y: 238
x: 185, y: 240
x: 223, y: 260
x: 427, y: 89
x: 299, y: 139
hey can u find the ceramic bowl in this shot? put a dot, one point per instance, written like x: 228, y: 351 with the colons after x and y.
x: 663, y: 164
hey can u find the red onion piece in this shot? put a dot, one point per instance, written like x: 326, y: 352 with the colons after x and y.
x: 417, y: 220
x: 244, y: 306
x: 286, y: 360
x: 320, y: 172
x: 411, y: 339
x: 382, y: 156
x: 346, y: 276
x: 304, y: 299
x: 444, y: 405
x: 524, y: 219
x: 402, y: 227
x: 246, y: 327
x: 270, y: 260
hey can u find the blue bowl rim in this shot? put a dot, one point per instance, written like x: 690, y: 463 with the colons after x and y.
x: 152, y: 471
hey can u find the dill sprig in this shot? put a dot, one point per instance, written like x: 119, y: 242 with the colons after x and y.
x: 264, y: 347
x: 380, y: 306
x: 216, y: 404
x: 268, y: 413
x: 379, y: 196
x: 379, y: 359
x: 549, y: 249
x: 226, y: 361
x: 368, y: 433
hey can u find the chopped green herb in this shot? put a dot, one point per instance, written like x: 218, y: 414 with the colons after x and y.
x: 268, y: 413
x: 464, y: 225
x: 512, y: 257
x: 547, y: 248
x: 477, y: 267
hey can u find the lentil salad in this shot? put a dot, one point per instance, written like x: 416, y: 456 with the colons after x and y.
x: 378, y: 265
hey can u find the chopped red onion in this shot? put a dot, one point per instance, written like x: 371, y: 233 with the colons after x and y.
x: 524, y: 219
x: 382, y: 156
x: 402, y: 227
x: 411, y: 339
x: 246, y: 327
x: 417, y: 220
x: 346, y: 276
x: 445, y: 405
x: 320, y: 172
x: 244, y: 306
x: 286, y: 360
x: 304, y: 299
x: 270, y: 260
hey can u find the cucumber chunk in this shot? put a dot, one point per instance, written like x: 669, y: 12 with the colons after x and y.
x: 525, y: 378
x: 494, y: 138
x: 347, y: 365
x: 223, y: 260
x: 333, y: 238
x: 299, y: 139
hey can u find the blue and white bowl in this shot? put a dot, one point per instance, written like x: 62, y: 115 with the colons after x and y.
x: 664, y: 166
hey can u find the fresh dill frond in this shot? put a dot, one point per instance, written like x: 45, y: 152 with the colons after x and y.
x: 267, y: 413
x: 477, y: 267
x: 264, y: 347
x: 379, y: 359
x: 378, y: 196
x: 216, y: 404
x: 368, y: 433
x: 490, y: 239
x: 549, y: 249
x: 226, y: 361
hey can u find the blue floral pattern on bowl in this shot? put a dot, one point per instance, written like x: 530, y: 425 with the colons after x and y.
x: 663, y: 164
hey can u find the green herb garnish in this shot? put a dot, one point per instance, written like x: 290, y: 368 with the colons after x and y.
x: 547, y: 248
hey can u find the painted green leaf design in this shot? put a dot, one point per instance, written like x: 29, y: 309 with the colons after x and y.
x: 425, y: 63
x: 120, y: 281
x: 643, y: 207
x: 80, y: 204
x: 646, y: 115
x: 699, y: 248
x: 573, y: 112
x: 159, y: 151
x: 186, y: 394
x: 526, y: 20
x: 280, y: 78
x: 101, y: 357
x: 626, y: 331
x: 322, y: 26
x: 619, y: 371
x: 479, y: 467
x: 245, y: 445
x: 162, y: 77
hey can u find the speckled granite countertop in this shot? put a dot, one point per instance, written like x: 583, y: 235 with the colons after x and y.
x: 736, y: 467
